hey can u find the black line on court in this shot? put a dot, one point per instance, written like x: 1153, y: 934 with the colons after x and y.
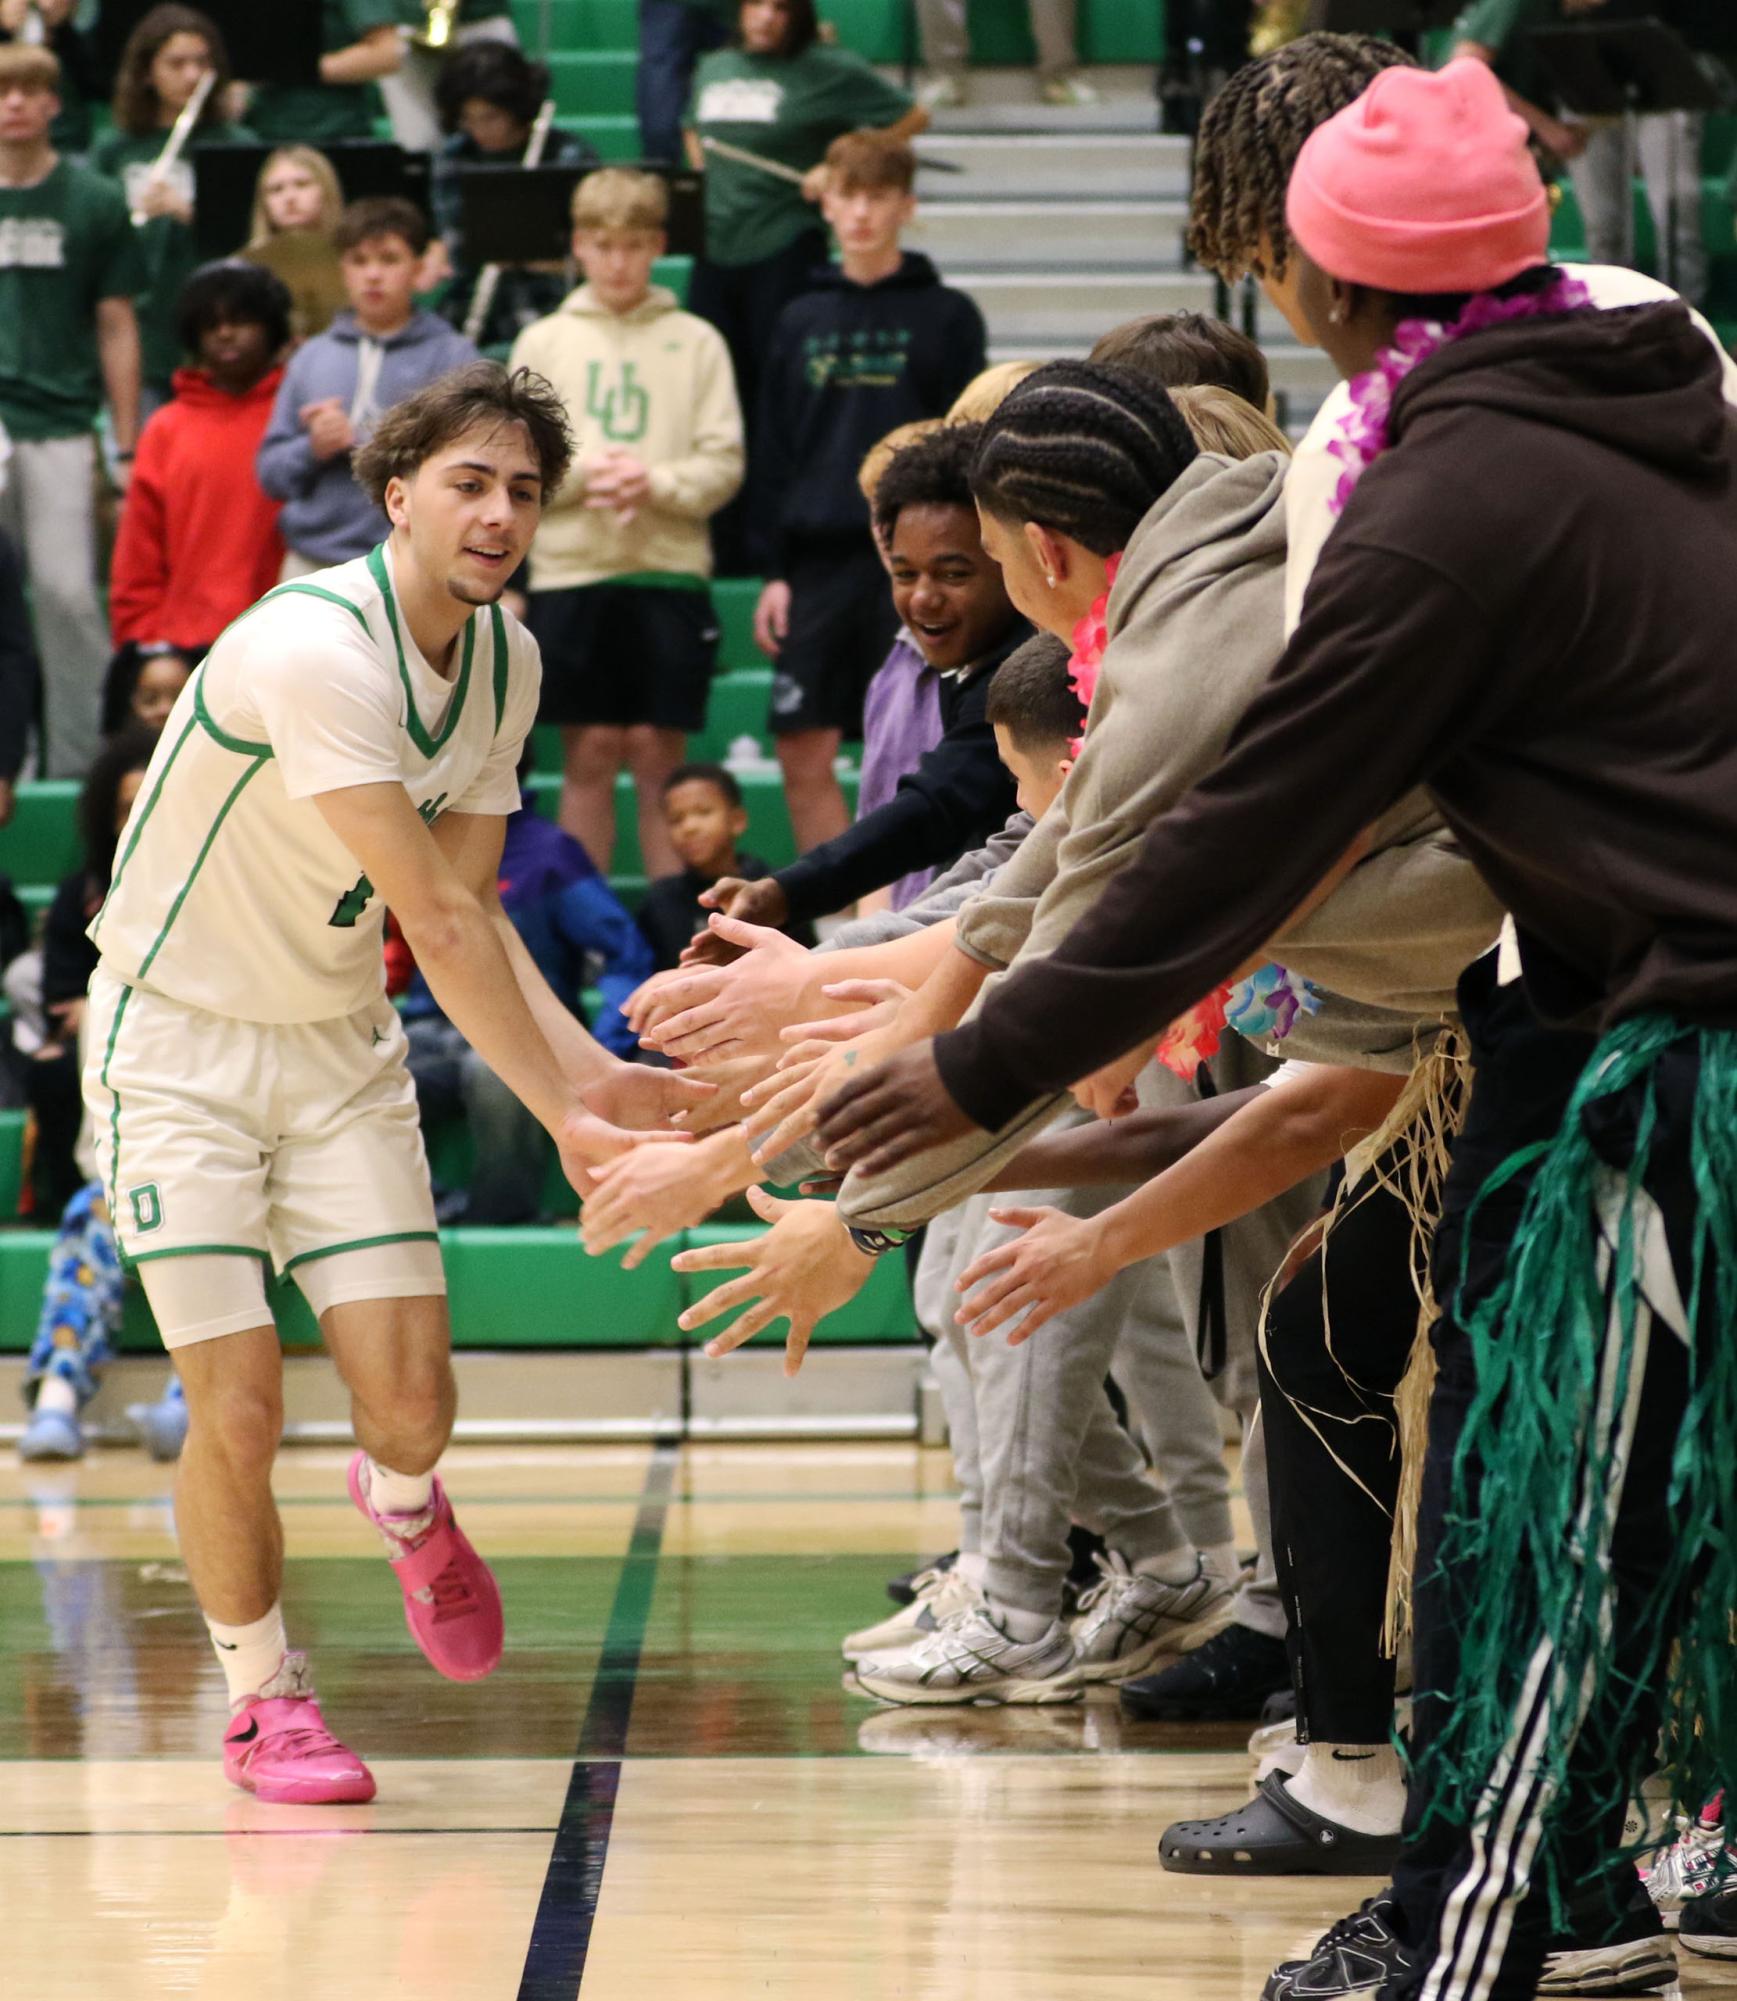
x: 567, y: 1909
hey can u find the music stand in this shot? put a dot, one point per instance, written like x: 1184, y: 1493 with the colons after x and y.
x: 1630, y: 70
x: 224, y: 179
x: 523, y: 215
x: 279, y: 43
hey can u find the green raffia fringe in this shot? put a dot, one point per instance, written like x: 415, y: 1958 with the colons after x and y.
x: 1528, y: 1537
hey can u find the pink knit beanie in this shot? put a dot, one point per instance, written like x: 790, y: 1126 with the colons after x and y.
x: 1425, y: 184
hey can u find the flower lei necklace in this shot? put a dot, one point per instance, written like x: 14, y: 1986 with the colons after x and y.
x: 1364, y: 431
x: 1263, y: 1008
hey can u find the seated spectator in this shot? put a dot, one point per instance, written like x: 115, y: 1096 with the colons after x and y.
x: 489, y: 94
x: 949, y: 594
x: 341, y: 382
x: 166, y: 58
x: 1181, y: 349
x: 68, y: 341
x: 781, y: 93
x: 143, y: 685
x: 360, y: 44
x: 703, y: 807
x: 619, y: 568
x: 411, y: 93
x: 946, y: 46
x: 20, y: 676
x: 878, y: 343
x: 297, y: 203
x: 198, y: 539
x: 580, y: 935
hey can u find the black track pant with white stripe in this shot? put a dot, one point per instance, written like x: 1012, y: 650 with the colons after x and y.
x: 1478, y: 1928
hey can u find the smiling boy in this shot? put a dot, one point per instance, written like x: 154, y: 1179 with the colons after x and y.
x: 350, y: 743
x: 950, y: 597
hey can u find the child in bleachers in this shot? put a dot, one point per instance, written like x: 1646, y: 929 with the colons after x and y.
x: 81, y: 1305
x: 297, y: 203
x: 199, y: 539
x: 488, y: 95
x: 620, y: 567
x: 342, y: 382
x: 880, y: 342
x: 706, y: 817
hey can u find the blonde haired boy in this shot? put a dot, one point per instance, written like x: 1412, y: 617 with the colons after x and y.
x: 619, y: 594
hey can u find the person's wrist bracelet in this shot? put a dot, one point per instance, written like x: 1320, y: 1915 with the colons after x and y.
x: 877, y: 1243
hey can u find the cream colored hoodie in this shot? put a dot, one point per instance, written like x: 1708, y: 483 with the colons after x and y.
x: 655, y: 382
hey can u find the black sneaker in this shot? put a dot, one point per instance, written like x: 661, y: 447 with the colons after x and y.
x: 1355, y: 1956
x: 1631, y: 1955
x: 903, y: 1590
x: 1708, y: 1925
x: 1233, y: 1674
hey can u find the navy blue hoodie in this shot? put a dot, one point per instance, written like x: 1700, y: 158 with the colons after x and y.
x: 848, y: 364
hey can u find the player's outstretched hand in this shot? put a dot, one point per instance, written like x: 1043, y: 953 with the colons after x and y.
x: 734, y: 1010
x: 654, y: 1192
x: 587, y: 1144
x: 642, y: 1099
x: 898, y: 1108
x: 802, y: 1269
x: 1057, y: 1263
x: 647, y: 1003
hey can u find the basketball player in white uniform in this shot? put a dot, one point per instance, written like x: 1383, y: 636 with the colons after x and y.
x: 349, y: 744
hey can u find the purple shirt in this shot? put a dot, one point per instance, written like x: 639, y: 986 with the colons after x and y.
x: 901, y: 719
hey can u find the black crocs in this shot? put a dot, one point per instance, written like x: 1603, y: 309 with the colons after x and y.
x: 1274, y: 1835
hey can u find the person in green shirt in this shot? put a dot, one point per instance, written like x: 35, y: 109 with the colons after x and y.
x: 362, y: 44
x: 1667, y: 146
x: 410, y: 91
x: 166, y: 58
x: 69, y: 271
x: 779, y: 92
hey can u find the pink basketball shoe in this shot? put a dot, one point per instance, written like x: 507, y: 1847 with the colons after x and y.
x: 278, y: 1748
x: 452, y: 1604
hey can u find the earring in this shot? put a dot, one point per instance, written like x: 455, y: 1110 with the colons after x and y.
x: 1050, y: 580
x: 1336, y: 316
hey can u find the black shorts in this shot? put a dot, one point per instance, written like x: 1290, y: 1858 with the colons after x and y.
x: 619, y: 654
x: 841, y: 624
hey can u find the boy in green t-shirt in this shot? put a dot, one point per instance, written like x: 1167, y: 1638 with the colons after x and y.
x: 69, y: 271
x: 362, y: 44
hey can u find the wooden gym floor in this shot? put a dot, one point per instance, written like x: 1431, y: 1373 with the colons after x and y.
x: 663, y: 1792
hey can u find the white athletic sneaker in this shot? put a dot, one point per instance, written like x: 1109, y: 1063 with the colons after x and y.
x: 968, y: 1658
x: 1687, y: 1869
x: 1126, y: 1620
x: 940, y: 1593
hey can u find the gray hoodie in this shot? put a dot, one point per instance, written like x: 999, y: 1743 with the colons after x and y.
x: 326, y: 515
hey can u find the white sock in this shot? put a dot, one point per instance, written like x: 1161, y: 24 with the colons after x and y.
x: 1018, y: 1624
x: 973, y: 1566
x: 1175, y: 1566
x: 55, y: 1392
x: 249, y: 1655
x: 1359, y: 1786
x: 399, y: 1493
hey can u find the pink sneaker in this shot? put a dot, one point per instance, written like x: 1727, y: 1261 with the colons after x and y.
x: 452, y: 1604
x: 278, y: 1748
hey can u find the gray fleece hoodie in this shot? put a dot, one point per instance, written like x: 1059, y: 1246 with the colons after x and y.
x: 1195, y: 625
x: 326, y: 515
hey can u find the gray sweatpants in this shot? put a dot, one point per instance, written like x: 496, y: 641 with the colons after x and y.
x: 1668, y: 156
x: 946, y: 45
x: 48, y: 508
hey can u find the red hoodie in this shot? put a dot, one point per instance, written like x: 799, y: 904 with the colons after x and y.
x: 198, y: 541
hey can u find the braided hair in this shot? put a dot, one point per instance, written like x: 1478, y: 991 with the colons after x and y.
x: 1251, y: 135
x: 1083, y: 450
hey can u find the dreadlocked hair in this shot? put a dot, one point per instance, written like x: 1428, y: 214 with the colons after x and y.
x: 1083, y: 450
x: 1251, y: 135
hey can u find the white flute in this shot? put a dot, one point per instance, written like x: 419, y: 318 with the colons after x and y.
x: 176, y: 143
x: 489, y: 278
